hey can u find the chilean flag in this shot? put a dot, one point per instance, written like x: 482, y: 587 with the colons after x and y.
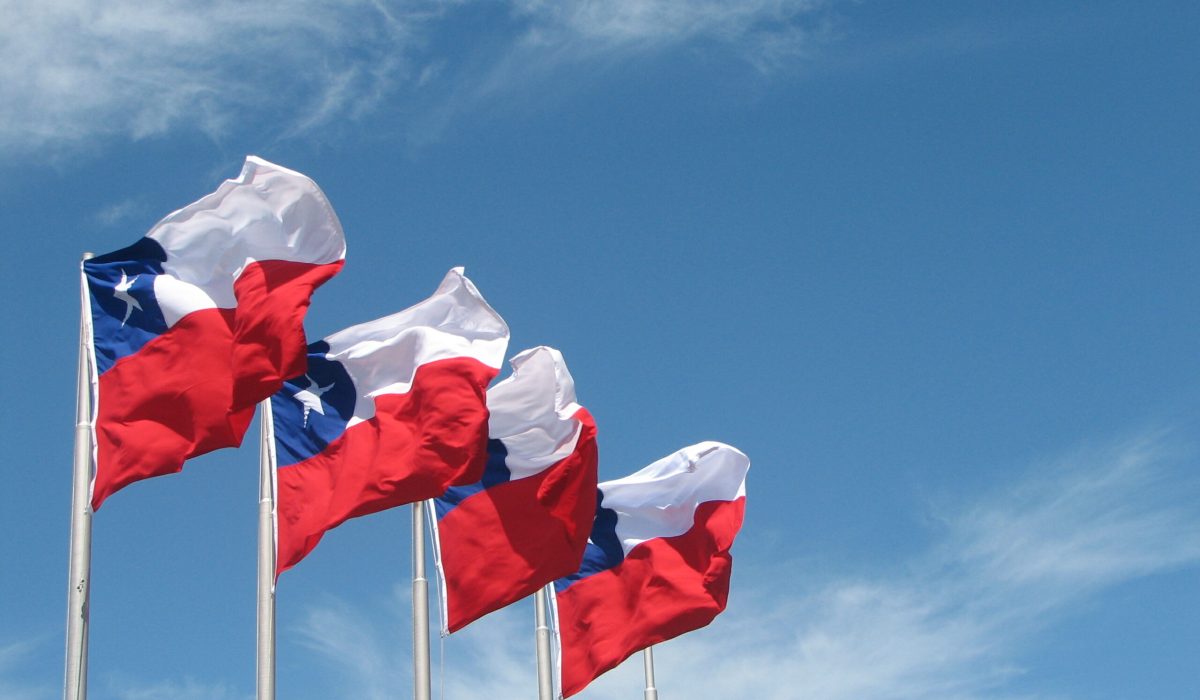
x: 526, y: 522
x: 657, y: 564
x: 202, y: 318
x: 389, y: 412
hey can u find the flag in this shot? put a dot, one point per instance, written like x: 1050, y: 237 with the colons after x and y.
x: 389, y: 412
x: 202, y: 318
x: 657, y: 564
x: 527, y: 521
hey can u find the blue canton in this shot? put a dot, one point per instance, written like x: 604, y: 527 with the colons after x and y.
x: 312, y: 410
x: 603, y: 550
x: 125, y: 313
x: 496, y: 472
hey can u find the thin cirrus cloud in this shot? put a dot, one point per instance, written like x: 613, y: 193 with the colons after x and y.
x: 764, y: 31
x: 549, y: 38
x: 188, y: 689
x: 364, y: 656
x: 12, y: 656
x: 120, y: 212
x: 950, y: 623
x: 15, y: 684
x: 73, y: 73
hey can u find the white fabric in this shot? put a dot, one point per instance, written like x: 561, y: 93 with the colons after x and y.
x: 661, y: 499
x: 532, y: 412
x: 382, y: 356
x: 267, y: 213
x: 178, y: 299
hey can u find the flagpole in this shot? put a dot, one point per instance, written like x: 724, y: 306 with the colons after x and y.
x: 422, y: 687
x: 648, y: 660
x: 265, y: 662
x: 80, y: 561
x: 542, y: 636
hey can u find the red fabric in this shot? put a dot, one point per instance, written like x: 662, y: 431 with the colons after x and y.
x: 168, y: 402
x: 193, y: 389
x: 273, y: 298
x: 505, y: 542
x: 665, y: 587
x: 416, y: 446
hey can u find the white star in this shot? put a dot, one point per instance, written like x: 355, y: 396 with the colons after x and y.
x: 311, y: 398
x: 121, y: 292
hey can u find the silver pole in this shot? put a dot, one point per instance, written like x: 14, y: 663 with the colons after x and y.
x: 265, y: 663
x: 422, y: 687
x: 80, y: 566
x: 648, y: 659
x: 542, y: 635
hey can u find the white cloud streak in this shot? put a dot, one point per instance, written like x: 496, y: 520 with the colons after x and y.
x: 763, y: 30
x: 120, y: 212
x: 12, y: 686
x: 74, y: 73
x: 370, y: 659
x: 948, y: 625
x: 188, y: 689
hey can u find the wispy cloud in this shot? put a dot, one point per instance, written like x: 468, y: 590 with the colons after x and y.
x: 187, y: 689
x: 764, y: 31
x: 369, y: 659
x: 547, y: 45
x: 1087, y: 520
x: 12, y: 687
x: 73, y: 72
x: 949, y: 624
x: 120, y: 212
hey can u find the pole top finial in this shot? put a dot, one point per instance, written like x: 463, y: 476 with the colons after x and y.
x: 88, y: 255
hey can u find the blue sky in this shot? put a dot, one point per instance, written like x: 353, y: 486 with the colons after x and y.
x: 933, y: 266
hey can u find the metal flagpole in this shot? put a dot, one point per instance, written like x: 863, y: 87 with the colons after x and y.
x: 542, y: 633
x: 80, y: 563
x: 422, y: 688
x: 648, y: 659
x: 265, y: 664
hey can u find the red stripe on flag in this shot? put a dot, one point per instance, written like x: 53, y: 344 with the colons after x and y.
x: 273, y: 296
x: 167, y: 402
x: 416, y: 446
x: 507, y: 541
x: 665, y: 587
x: 193, y: 389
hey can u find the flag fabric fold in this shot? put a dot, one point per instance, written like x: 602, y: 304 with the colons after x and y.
x: 388, y: 412
x: 657, y: 563
x: 526, y: 522
x: 202, y: 318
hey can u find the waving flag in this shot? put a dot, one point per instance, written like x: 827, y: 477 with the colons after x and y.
x: 202, y: 318
x: 527, y: 521
x: 657, y: 564
x: 389, y: 412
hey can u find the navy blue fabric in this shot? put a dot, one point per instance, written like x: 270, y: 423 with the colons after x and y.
x: 603, y: 550
x: 300, y: 432
x: 123, y: 322
x: 496, y: 472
